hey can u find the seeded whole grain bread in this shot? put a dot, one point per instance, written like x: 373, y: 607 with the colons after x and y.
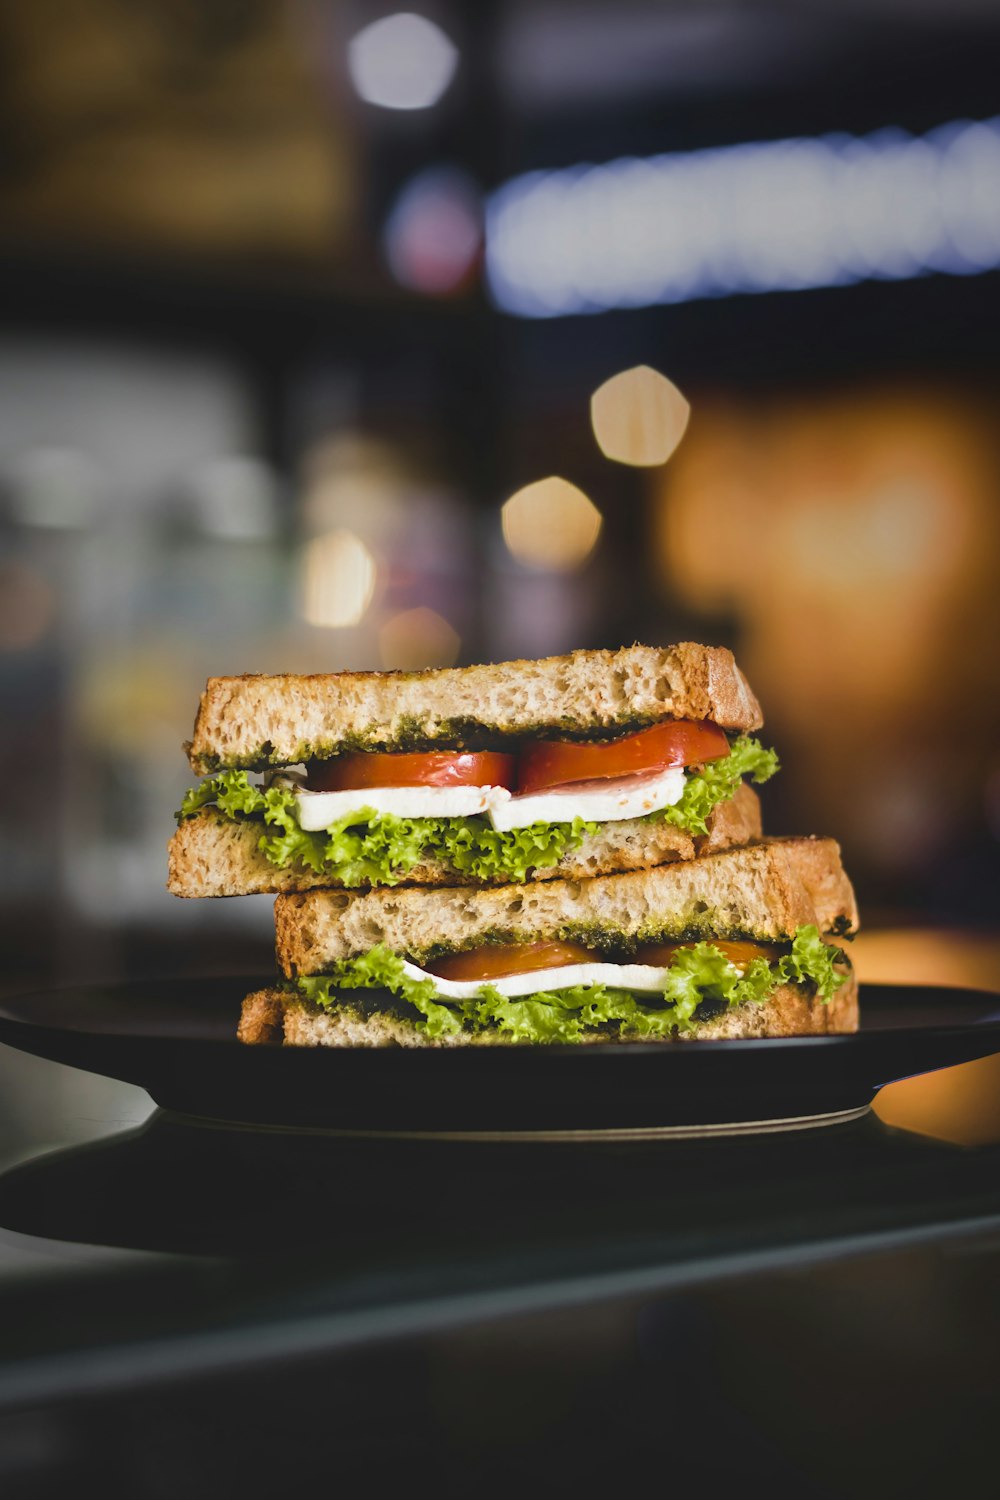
x: 252, y: 721
x: 274, y: 1018
x: 212, y: 855
x: 765, y: 890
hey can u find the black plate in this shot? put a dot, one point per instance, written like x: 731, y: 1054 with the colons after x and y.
x: 176, y: 1038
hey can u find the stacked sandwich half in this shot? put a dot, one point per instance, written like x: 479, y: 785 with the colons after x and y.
x: 565, y: 850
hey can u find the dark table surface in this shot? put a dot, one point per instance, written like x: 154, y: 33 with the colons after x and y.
x: 180, y: 1243
x: 511, y: 1304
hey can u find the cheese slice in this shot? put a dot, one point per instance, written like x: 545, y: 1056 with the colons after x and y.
x: 318, y: 810
x: 607, y: 801
x: 642, y: 979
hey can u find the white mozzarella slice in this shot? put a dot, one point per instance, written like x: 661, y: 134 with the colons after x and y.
x: 609, y: 801
x: 317, y: 810
x: 642, y: 979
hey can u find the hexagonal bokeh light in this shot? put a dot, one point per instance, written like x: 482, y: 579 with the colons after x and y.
x: 551, y: 525
x: 639, y: 417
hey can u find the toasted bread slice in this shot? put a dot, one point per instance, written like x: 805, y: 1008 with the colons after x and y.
x: 765, y: 891
x: 276, y: 1018
x: 211, y: 855
x: 253, y: 721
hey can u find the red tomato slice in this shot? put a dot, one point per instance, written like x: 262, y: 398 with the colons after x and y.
x: 497, y: 962
x: 348, y: 773
x: 549, y: 763
x: 662, y: 955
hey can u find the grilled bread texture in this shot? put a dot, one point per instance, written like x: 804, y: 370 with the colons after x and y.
x: 212, y: 855
x: 251, y: 722
x: 765, y: 890
x: 275, y: 1018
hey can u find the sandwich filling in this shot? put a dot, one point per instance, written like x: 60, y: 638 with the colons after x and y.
x: 369, y: 818
x: 563, y: 992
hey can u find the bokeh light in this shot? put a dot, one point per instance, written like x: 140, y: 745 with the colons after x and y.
x: 433, y: 233
x: 236, y: 497
x: 761, y: 216
x: 417, y: 638
x: 639, y: 417
x: 402, y: 61
x: 551, y: 525
x: 55, y: 489
x: 338, y: 579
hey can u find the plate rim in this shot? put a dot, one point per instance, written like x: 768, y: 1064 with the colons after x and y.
x: 472, y: 1089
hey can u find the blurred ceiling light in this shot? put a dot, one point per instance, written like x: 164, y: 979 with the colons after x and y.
x: 27, y: 607
x: 550, y: 525
x: 417, y: 638
x: 434, y: 231
x: 338, y: 579
x: 759, y: 217
x: 639, y: 417
x: 402, y: 61
x: 55, y: 489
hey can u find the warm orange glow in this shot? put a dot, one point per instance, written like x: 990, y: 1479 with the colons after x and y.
x: 639, y: 417
x: 854, y: 538
x: 904, y: 955
x: 955, y: 1104
x: 831, y: 527
x: 417, y: 638
x: 551, y: 524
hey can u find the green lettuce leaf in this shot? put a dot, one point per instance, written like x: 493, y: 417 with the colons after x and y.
x: 382, y: 970
x: 812, y: 961
x: 471, y: 846
x: 370, y: 848
x: 234, y: 785
x: 698, y: 974
x: 717, y: 781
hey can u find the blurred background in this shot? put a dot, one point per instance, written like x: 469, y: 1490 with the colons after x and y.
x: 302, y: 308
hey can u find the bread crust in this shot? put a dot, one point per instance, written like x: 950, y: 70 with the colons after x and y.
x: 257, y: 721
x: 262, y: 1018
x: 212, y: 855
x: 272, y: 1017
x: 789, y: 1011
x: 765, y: 890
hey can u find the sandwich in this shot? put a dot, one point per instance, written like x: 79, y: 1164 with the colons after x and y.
x: 570, y: 768
x: 738, y: 943
x: 557, y: 851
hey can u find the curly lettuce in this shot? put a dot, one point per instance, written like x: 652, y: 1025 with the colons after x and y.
x: 811, y: 961
x: 717, y: 781
x: 381, y: 969
x: 700, y: 975
x: 366, y: 847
